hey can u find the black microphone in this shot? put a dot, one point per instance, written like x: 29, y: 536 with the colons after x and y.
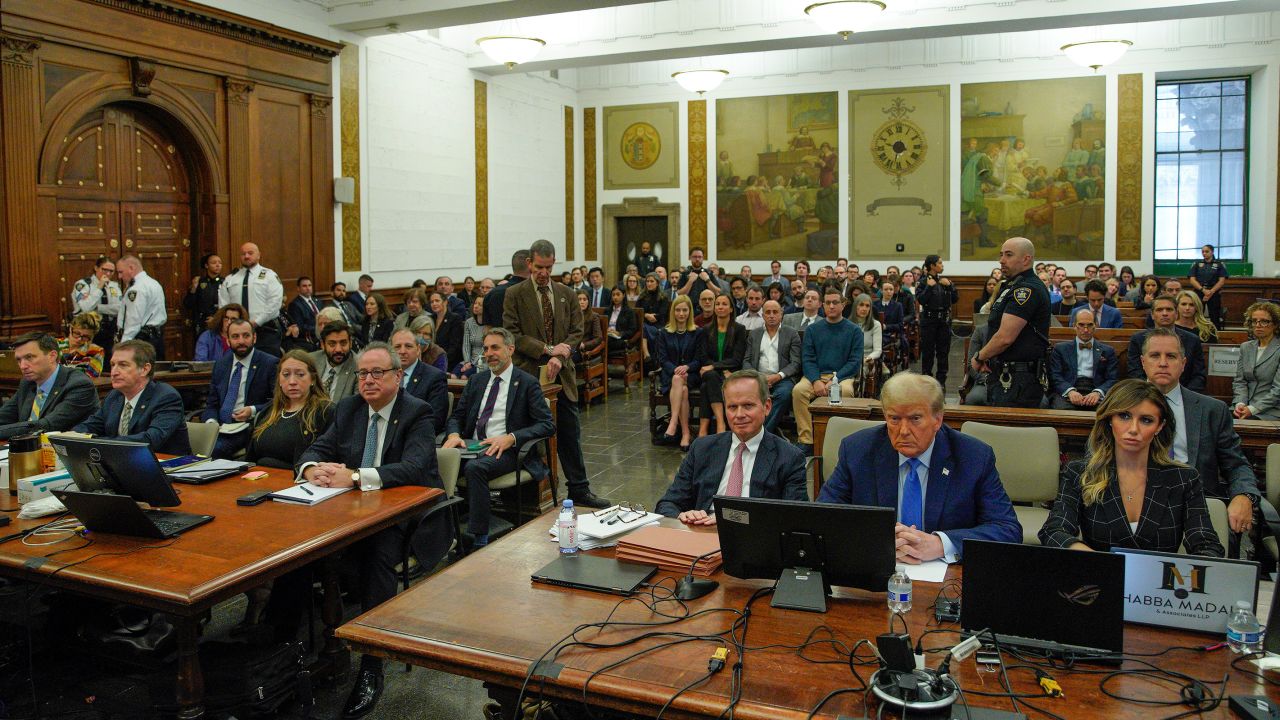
x: 691, y: 588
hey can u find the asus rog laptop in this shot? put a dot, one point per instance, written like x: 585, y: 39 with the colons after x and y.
x: 1046, y: 601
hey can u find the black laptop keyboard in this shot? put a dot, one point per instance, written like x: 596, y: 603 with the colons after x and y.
x: 1048, y: 648
x: 171, y: 523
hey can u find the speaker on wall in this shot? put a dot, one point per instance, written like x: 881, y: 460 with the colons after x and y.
x: 344, y: 190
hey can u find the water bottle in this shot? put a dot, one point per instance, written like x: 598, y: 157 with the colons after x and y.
x: 833, y: 391
x: 900, y: 591
x: 1244, y: 634
x: 567, y: 525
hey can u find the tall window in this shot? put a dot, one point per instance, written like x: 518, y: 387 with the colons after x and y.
x: 1202, y: 163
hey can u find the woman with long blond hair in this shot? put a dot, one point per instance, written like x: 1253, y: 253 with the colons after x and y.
x: 1191, y: 317
x: 679, y: 360
x: 1127, y: 491
x: 299, y: 412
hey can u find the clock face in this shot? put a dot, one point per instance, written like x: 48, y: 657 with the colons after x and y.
x: 898, y: 147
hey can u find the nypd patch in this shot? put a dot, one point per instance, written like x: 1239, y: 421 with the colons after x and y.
x: 1022, y: 295
x: 133, y: 295
x: 81, y: 285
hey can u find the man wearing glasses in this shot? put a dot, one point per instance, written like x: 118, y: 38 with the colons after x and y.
x: 379, y: 438
x: 831, y: 352
x: 100, y: 293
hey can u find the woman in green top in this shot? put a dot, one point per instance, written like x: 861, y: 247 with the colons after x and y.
x: 724, y: 345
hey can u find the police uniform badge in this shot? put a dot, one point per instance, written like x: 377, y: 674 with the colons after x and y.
x: 80, y: 285
x: 133, y: 295
x: 262, y: 274
x: 1022, y: 295
x: 204, y: 284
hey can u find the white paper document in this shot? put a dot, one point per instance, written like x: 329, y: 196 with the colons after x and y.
x: 933, y: 571
x: 307, y: 494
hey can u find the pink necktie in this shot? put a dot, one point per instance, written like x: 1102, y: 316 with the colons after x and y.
x: 735, y: 473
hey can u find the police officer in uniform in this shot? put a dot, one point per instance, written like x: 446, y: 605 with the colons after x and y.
x: 202, y: 297
x: 1015, y: 356
x: 101, y: 294
x: 936, y: 295
x: 143, y: 314
x: 1208, y: 277
x: 259, y: 290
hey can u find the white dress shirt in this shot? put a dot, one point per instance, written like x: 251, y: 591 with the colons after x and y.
x: 948, y: 548
x: 143, y: 306
x: 750, y: 320
x: 265, y: 292
x: 768, y: 362
x: 1084, y: 360
x: 1179, y: 408
x: 748, y: 463
x: 497, y: 425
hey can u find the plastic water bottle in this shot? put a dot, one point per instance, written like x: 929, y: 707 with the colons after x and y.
x: 833, y: 391
x: 567, y: 525
x: 900, y: 591
x: 1244, y: 634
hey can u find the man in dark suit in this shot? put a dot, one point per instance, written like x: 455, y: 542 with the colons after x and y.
x: 495, y: 298
x: 426, y: 382
x: 1081, y: 371
x: 334, y: 361
x: 380, y: 438
x: 302, y: 311
x: 241, y: 384
x: 49, y: 397
x: 1104, y: 316
x: 500, y: 408
x: 139, y: 409
x: 546, y: 321
x: 1163, y: 313
x: 944, y: 484
x: 774, y: 352
x: 1204, y: 436
x: 745, y: 462
x: 344, y: 304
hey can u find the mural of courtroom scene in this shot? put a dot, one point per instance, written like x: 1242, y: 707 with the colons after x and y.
x: 777, y: 189
x: 1032, y: 163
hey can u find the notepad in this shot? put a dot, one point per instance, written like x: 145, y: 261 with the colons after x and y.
x: 299, y: 495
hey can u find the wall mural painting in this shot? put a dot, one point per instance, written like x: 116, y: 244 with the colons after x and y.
x: 777, y: 189
x: 1032, y: 163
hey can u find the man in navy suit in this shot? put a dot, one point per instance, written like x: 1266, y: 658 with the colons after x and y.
x: 1163, y: 313
x: 1104, y: 316
x: 943, y: 484
x: 745, y: 462
x: 426, y: 382
x: 1081, y: 371
x: 500, y: 408
x: 380, y: 438
x: 50, y: 396
x: 242, y: 383
x: 302, y: 311
x: 138, y: 409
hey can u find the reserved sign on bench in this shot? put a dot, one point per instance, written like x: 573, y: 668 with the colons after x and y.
x: 1223, y: 360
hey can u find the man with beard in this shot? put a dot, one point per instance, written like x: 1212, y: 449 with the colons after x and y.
x: 333, y: 360
x: 242, y: 382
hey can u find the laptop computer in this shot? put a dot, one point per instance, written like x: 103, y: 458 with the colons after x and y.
x: 1187, y: 592
x: 1048, y: 601
x: 118, y: 466
x: 108, y: 512
x: 588, y: 572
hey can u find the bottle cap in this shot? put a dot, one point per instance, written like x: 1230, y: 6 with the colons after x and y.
x: 1244, y: 605
x: 900, y: 568
x: 567, y: 503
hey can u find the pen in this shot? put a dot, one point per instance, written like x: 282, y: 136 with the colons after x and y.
x: 306, y: 489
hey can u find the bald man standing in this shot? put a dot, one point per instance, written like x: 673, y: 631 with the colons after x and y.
x: 259, y: 290
x: 1019, y: 328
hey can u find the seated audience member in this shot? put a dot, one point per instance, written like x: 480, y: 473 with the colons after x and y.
x: 432, y: 354
x: 1163, y: 312
x: 944, y: 484
x: 750, y: 317
x: 301, y: 311
x: 631, y: 288
x: 988, y: 292
x: 831, y: 352
x: 240, y: 385
x: 378, y: 320
x: 872, y: 334
x: 469, y: 291
x: 139, y: 409
x: 655, y: 307
x: 679, y: 361
x: 299, y: 413
x: 889, y: 308
x: 622, y: 322
x: 1113, y: 291
x: 1070, y: 299
x: 457, y: 307
x: 1172, y: 287
x: 379, y: 438
x: 345, y: 304
x: 1144, y: 292
x: 1255, y: 392
x: 448, y: 330
x: 776, y: 293
x: 1203, y: 434
x: 774, y: 352
x: 1081, y: 371
x: 706, y: 308
x: 747, y: 461
x: 212, y: 343
x: 472, y: 341
x: 1192, y: 319
x: 1104, y: 315
x: 324, y: 317
x: 334, y: 362
x: 724, y: 344
x: 592, y: 337
x: 809, y: 312
x: 49, y: 397
x: 426, y: 382
x: 973, y: 390
x: 415, y: 306
x: 78, y: 350
x: 524, y: 415
x: 1128, y: 492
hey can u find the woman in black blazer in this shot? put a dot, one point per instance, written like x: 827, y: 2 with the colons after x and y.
x: 622, y: 322
x: 724, y: 345
x: 1128, y: 492
x: 378, y: 321
x: 448, y: 328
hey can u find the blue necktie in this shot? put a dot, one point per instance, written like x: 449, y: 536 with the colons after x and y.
x: 371, y: 443
x: 229, y: 400
x: 912, y: 501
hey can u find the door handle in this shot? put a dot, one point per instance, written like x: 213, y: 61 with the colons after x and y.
x: 128, y: 242
x: 115, y: 243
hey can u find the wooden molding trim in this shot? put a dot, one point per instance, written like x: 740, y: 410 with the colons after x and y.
x: 141, y: 73
x: 482, y: 172
x: 15, y: 50
x: 590, y: 224
x: 569, y: 236
x: 697, y: 113
x: 349, y: 101
x: 1129, y: 168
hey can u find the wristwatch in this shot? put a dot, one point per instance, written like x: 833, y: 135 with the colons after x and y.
x: 355, y: 478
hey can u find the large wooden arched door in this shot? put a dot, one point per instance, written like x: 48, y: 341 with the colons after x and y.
x: 124, y: 186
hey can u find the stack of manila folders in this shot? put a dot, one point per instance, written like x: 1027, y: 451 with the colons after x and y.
x: 602, y: 528
x: 673, y: 550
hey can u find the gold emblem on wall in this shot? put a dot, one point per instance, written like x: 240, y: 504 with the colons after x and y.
x: 898, y: 147
x: 641, y: 145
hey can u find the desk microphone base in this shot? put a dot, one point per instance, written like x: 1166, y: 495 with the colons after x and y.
x: 917, y: 692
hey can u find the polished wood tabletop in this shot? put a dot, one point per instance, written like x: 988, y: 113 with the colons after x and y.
x: 484, y: 618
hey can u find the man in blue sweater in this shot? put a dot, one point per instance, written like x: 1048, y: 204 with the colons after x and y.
x: 832, y: 352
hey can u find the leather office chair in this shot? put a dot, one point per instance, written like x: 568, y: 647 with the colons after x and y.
x: 203, y: 437
x: 1028, y: 462
x: 1271, y: 501
x: 1218, y: 517
x: 449, y: 461
x: 838, y: 428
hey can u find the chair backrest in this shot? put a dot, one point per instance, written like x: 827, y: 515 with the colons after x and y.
x: 449, y: 460
x: 838, y: 428
x: 1026, y: 458
x: 203, y: 436
x: 1218, y: 517
x: 1273, y: 474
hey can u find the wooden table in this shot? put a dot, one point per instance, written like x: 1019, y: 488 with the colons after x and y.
x: 241, y: 549
x: 483, y: 618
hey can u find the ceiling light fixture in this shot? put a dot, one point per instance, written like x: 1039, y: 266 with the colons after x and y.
x: 700, y: 81
x: 1096, y: 53
x: 510, y: 50
x: 844, y: 16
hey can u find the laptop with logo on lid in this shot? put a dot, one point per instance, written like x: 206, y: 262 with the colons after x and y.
x: 1188, y: 592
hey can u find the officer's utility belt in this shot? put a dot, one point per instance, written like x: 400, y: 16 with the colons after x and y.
x: 935, y: 314
x: 155, y: 330
x: 1030, y: 366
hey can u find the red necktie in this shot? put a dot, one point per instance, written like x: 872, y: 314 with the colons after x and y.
x: 735, y: 473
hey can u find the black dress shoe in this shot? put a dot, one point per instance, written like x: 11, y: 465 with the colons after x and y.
x: 364, y: 696
x: 589, y: 499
